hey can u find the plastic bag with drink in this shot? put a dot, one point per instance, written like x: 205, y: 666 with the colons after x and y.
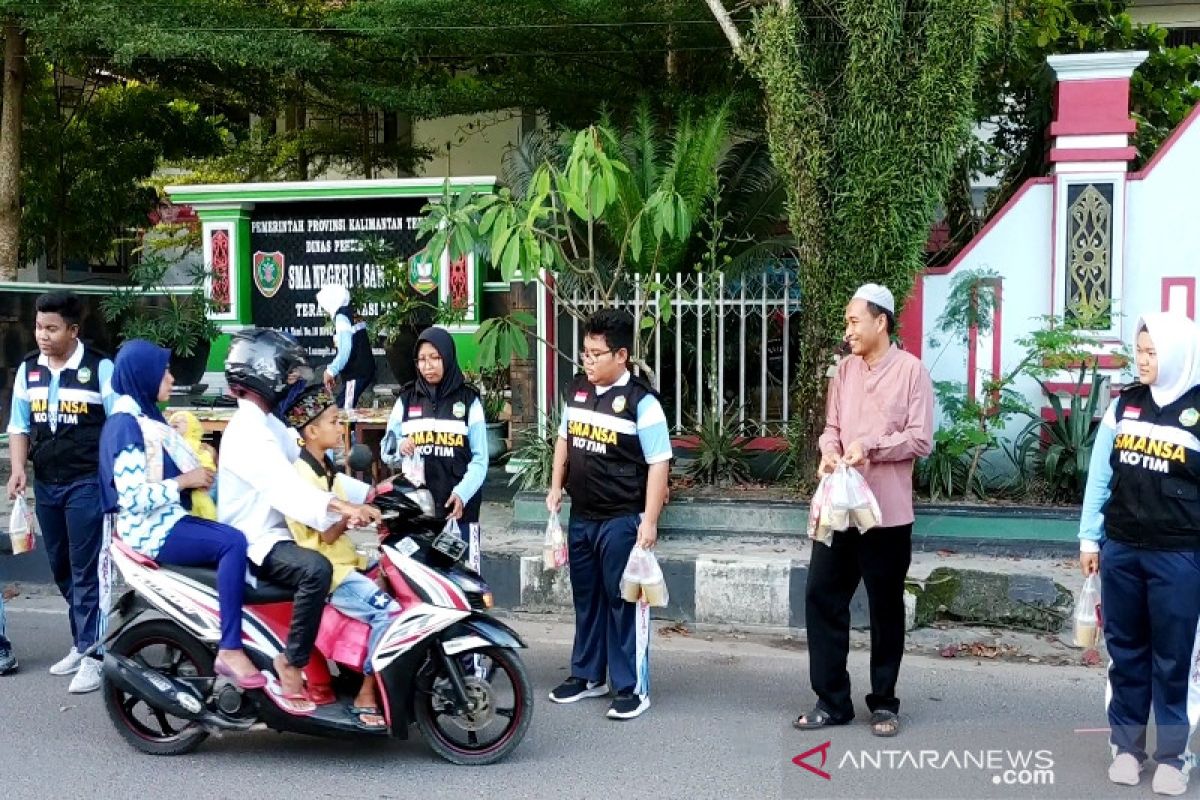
x: 1087, y: 613
x: 643, y: 579
x: 22, y: 531
x: 413, y: 469
x: 842, y: 500
x: 554, y: 547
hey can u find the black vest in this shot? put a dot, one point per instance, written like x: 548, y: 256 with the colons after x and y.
x: 439, y: 431
x: 71, y: 452
x: 360, y: 366
x: 607, y: 470
x: 1155, y: 500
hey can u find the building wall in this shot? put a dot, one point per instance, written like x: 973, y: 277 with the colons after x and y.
x: 1167, y: 13
x: 467, y: 145
x: 1162, y: 254
x: 1017, y: 245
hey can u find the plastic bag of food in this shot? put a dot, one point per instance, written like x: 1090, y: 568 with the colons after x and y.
x: 1087, y: 613
x: 554, y: 547
x: 413, y: 469
x: 643, y: 579
x: 22, y: 530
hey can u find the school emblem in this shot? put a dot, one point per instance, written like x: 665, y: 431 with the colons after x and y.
x: 85, y: 375
x: 268, y: 272
x: 619, y: 404
x: 1189, y: 417
x: 460, y: 410
x: 422, y: 274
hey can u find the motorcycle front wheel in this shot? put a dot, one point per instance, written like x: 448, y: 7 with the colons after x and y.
x: 503, y: 701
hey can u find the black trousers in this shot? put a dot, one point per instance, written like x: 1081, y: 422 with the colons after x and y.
x: 310, y: 574
x: 880, y: 559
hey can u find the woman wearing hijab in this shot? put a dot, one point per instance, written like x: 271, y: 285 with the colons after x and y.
x: 440, y: 417
x: 1141, y: 529
x: 353, y: 360
x: 145, y: 469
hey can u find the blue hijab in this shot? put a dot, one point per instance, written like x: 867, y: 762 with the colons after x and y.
x: 137, y: 374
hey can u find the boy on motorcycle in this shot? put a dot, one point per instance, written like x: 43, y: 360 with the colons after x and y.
x: 258, y: 489
x: 314, y: 414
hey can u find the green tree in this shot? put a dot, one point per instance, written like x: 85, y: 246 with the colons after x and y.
x: 1014, y: 95
x: 867, y: 105
x: 89, y: 151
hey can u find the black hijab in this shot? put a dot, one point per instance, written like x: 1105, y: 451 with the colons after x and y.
x: 452, y: 376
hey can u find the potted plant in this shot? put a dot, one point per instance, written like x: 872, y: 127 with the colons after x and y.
x: 493, y: 394
x: 174, y: 317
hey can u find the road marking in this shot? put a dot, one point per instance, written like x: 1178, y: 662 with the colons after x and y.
x: 11, y: 610
x: 1093, y: 730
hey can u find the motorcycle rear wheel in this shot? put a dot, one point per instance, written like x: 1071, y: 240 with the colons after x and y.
x: 163, y: 646
x: 514, y: 711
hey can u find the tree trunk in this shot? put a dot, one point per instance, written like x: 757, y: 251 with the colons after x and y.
x: 10, y: 150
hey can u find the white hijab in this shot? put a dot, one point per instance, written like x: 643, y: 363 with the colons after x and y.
x: 1177, y: 342
x: 331, y: 297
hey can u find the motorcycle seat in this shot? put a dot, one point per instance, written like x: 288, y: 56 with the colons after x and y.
x: 265, y: 592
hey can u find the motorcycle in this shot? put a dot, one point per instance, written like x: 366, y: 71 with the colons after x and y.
x: 444, y: 663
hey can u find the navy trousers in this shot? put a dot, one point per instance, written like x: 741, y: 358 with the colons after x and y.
x: 196, y: 542
x: 1150, y: 600
x: 606, y: 640
x: 73, y: 532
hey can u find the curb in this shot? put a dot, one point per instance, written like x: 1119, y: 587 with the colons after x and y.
x: 747, y: 592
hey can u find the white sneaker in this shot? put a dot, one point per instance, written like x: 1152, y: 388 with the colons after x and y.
x: 68, y: 665
x: 1125, y: 770
x: 88, y: 678
x: 1169, y: 780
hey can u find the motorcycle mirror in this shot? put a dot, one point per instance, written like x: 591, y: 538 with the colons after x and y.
x: 360, y: 458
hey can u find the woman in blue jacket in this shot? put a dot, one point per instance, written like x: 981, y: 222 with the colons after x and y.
x: 144, y: 465
x: 1141, y: 529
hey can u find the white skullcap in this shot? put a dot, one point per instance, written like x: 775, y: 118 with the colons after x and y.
x: 877, y: 294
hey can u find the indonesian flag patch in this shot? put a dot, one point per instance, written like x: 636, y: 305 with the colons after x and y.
x: 35, y: 376
x: 1132, y: 412
x: 414, y: 411
x: 580, y: 396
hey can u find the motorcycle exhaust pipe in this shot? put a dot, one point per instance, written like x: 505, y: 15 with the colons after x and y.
x: 164, y: 693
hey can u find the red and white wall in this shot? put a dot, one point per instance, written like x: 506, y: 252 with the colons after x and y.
x: 1153, y: 257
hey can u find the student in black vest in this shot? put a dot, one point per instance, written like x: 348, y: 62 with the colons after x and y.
x: 61, y: 397
x: 1140, y: 527
x: 353, y: 362
x: 440, y: 416
x: 613, y: 456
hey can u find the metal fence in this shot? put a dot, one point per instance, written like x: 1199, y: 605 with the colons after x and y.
x: 733, y: 334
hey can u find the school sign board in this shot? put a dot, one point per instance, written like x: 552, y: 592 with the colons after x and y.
x: 269, y: 247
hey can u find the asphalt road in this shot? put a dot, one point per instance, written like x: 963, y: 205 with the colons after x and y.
x: 719, y: 728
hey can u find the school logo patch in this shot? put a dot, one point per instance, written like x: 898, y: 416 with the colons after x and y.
x: 414, y: 411
x: 619, y: 404
x: 84, y: 374
x: 268, y: 272
x: 1132, y: 412
x: 580, y: 396
x: 1189, y: 417
x: 460, y: 410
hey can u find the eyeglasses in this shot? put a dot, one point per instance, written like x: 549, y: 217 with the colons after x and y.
x: 423, y: 360
x: 596, y: 356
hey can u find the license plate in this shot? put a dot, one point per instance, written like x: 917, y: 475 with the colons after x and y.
x: 449, y: 545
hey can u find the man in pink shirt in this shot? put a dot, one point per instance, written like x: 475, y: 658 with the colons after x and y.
x: 879, y: 420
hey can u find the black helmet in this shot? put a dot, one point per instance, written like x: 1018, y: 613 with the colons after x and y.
x: 260, y: 360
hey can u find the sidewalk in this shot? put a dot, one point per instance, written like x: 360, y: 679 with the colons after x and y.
x: 738, y: 582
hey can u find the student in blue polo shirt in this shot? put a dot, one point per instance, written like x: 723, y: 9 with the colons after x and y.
x: 61, y: 397
x: 613, y: 457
